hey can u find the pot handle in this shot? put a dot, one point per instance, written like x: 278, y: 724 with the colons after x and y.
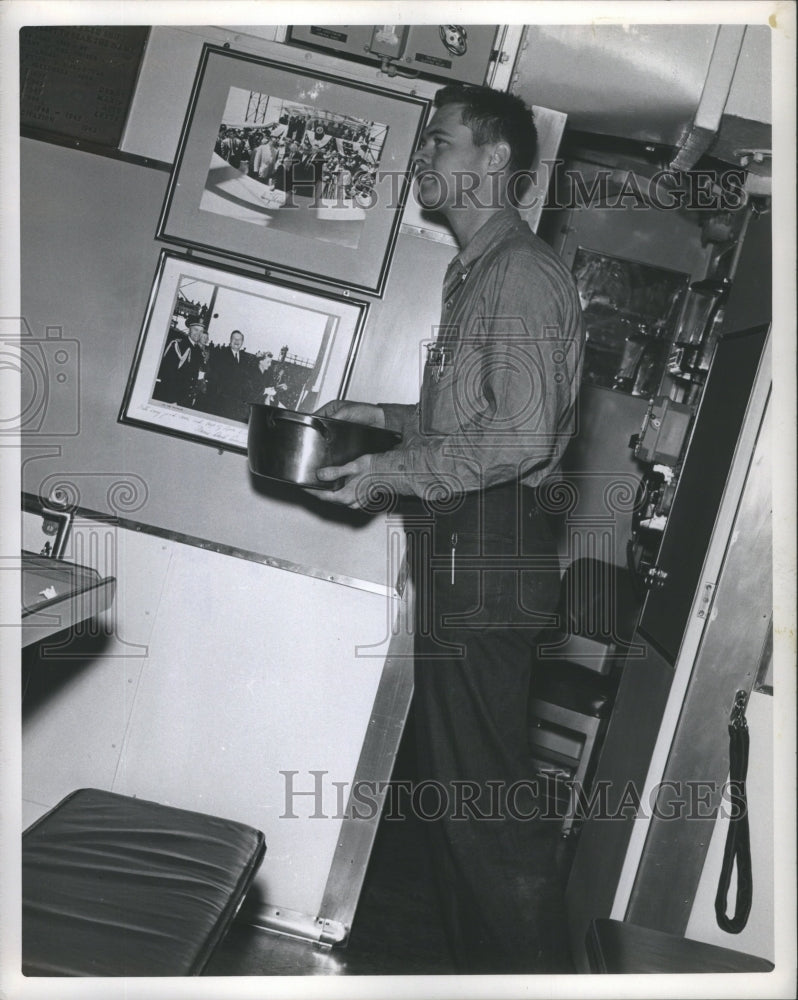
x: 302, y: 418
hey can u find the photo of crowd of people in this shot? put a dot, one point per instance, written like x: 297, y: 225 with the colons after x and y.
x: 219, y: 357
x: 293, y: 167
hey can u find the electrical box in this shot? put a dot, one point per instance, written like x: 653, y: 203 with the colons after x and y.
x: 460, y: 52
x: 664, y: 432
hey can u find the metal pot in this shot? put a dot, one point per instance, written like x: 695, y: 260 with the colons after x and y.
x: 292, y: 446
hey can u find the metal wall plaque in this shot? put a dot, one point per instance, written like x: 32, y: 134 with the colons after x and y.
x: 461, y: 52
x: 77, y: 82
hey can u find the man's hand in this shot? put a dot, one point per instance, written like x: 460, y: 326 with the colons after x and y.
x: 358, y: 413
x: 354, y: 492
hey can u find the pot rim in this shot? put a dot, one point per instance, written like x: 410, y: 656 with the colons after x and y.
x: 308, y: 419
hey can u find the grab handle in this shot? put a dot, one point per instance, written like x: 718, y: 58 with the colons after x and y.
x: 738, y: 838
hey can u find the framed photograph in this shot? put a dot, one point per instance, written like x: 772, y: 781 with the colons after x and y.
x: 215, y: 339
x: 292, y: 168
x: 631, y: 313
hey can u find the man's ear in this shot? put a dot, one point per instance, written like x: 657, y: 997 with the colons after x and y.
x: 500, y: 156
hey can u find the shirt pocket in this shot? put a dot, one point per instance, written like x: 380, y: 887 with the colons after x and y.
x: 452, y: 399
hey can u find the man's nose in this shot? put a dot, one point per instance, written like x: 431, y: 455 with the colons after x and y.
x: 419, y: 158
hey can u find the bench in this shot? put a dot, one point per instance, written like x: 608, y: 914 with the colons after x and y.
x: 119, y: 886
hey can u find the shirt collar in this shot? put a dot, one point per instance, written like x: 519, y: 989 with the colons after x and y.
x: 497, y: 226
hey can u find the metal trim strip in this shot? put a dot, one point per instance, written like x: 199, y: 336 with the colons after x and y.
x: 293, y: 924
x: 375, y: 766
x: 32, y: 503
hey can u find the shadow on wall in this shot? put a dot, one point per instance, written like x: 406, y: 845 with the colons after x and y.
x: 50, y: 666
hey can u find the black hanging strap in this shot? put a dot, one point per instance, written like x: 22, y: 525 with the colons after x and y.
x: 738, y: 841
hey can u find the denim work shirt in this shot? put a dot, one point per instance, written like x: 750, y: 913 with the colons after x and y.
x: 499, y: 388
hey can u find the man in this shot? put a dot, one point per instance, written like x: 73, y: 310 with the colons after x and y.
x: 284, y: 168
x: 237, y: 149
x: 316, y: 147
x: 270, y: 388
x: 231, y: 380
x: 264, y: 158
x: 495, y: 414
x: 182, y: 367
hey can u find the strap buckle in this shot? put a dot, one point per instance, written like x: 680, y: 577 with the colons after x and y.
x: 737, y: 719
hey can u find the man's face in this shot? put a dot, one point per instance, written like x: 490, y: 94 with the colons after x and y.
x: 448, y: 162
x: 236, y: 341
x: 194, y: 333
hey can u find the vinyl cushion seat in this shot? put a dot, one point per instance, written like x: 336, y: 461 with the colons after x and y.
x: 120, y: 886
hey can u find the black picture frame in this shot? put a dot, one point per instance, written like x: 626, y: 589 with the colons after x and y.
x: 340, y: 154
x: 193, y: 391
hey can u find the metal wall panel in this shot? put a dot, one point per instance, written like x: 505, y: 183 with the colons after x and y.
x: 634, y: 81
x: 749, y: 96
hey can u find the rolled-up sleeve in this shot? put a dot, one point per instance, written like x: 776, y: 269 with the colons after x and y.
x: 400, y: 416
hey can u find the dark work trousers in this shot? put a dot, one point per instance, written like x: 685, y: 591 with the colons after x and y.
x: 479, y: 610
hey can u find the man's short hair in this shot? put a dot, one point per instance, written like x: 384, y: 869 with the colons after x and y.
x: 495, y: 116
